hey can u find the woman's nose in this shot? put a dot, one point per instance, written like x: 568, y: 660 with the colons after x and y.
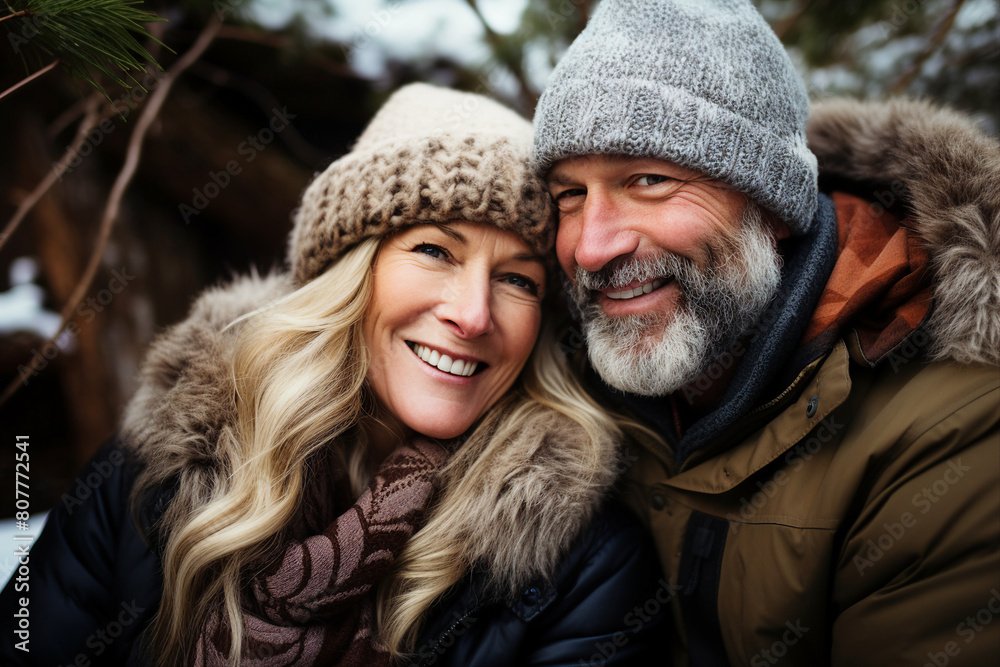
x: 466, y: 306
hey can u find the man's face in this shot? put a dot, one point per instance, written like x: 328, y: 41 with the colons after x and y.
x: 666, y: 266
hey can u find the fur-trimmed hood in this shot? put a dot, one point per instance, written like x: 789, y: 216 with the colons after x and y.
x: 540, y: 494
x: 947, y: 172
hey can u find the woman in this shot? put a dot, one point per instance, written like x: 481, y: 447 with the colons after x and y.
x: 370, y: 461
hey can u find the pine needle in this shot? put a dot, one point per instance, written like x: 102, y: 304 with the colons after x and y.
x: 86, y: 36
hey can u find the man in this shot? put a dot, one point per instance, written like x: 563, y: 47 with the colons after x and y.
x: 821, y: 371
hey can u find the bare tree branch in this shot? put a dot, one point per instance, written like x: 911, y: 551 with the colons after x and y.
x: 113, y: 204
x: 529, y: 98
x: 90, y: 120
x: 23, y: 82
x: 16, y: 15
x: 281, y: 42
x: 932, y: 45
x: 784, y: 26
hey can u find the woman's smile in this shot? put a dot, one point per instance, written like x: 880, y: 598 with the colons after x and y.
x: 447, y: 362
x: 454, y: 315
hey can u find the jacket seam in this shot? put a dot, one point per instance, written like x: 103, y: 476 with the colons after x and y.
x: 948, y: 417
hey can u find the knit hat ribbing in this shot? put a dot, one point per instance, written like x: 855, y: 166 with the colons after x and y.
x: 430, y: 155
x: 705, y: 84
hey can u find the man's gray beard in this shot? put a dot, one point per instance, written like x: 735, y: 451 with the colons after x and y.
x: 655, y: 354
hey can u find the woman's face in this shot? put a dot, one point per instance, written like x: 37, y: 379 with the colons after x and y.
x: 455, y: 314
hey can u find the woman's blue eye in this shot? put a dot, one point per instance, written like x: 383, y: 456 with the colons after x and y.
x: 523, y: 282
x: 431, y: 250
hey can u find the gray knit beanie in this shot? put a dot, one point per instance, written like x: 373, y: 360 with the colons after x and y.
x: 702, y: 83
x: 430, y: 155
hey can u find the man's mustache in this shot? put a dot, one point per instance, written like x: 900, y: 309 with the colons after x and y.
x: 620, y: 272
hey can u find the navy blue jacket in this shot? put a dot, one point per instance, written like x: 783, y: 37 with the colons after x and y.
x: 94, y: 585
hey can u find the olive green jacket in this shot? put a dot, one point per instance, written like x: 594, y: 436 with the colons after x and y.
x: 855, y: 519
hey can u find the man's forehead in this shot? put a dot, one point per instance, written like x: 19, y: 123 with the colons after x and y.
x: 566, y: 169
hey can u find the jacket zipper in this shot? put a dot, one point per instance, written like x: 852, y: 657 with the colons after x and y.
x: 447, y: 633
x: 749, y: 422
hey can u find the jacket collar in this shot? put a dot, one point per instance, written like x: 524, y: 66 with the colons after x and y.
x: 939, y: 170
x: 808, y: 260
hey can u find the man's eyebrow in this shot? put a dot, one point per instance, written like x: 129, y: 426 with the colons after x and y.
x: 556, y: 179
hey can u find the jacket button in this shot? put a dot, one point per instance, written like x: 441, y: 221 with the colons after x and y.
x: 658, y: 501
x: 813, y: 404
x: 531, y: 595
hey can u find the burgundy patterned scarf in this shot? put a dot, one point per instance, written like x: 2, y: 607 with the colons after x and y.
x: 316, y: 606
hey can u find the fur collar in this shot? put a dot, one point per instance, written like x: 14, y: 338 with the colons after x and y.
x: 541, y: 492
x: 947, y: 172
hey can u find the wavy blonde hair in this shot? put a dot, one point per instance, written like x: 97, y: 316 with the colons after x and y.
x: 299, y: 368
x: 434, y: 560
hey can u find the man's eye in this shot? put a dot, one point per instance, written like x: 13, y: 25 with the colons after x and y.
x: 431, y: 250
x: 650, y: 179
x: 566, y: 194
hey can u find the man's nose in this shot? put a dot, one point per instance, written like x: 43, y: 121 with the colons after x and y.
x: 604, y: 233
x: 466, y: 307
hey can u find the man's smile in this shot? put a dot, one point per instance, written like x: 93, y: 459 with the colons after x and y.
x: 633, y: 291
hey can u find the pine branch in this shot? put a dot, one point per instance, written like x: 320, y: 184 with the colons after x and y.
x: 89, y: 37
x: 132, y: 155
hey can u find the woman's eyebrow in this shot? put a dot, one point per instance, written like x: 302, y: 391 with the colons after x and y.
x: 528, y: 257
x: 455, y: 234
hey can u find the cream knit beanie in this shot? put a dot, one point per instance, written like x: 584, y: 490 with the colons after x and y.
x: 430, y: 155
x: 702, y: 83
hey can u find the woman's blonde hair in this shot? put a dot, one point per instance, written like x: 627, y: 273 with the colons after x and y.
x: 299, y: 368
x: 433, y: 559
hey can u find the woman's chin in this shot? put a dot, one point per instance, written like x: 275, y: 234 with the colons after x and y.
x: 437, y: 431
x: 441, y: 427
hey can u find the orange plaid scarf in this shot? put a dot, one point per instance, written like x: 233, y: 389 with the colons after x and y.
x: 880, y: 285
